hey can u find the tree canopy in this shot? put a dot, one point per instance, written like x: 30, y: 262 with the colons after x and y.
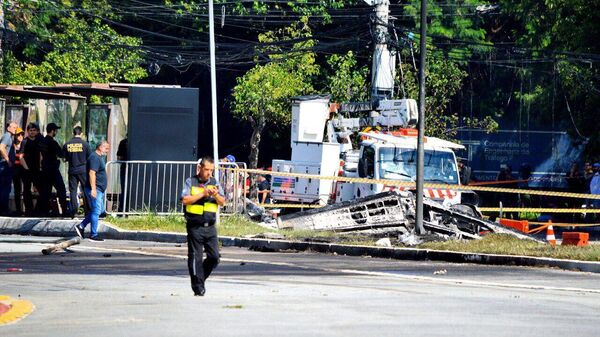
x: 264, y: 93
x: 523, y: 64
x: 60, y: 45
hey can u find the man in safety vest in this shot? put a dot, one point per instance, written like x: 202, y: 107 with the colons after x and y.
x: 201, y: 197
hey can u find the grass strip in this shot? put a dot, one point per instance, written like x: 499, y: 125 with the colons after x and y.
x: 239, y: 226
x: 235, y: 225
x: 509, y: 245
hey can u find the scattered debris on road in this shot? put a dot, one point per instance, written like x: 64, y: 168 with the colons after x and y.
x: 62, y: 246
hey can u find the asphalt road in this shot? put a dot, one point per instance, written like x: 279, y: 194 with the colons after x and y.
x: 124, y: 288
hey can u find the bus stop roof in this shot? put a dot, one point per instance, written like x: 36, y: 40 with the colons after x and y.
x: 23, y: 92
x: 85, y: 89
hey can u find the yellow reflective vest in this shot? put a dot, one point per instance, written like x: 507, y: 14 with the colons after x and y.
x: 205, y: 209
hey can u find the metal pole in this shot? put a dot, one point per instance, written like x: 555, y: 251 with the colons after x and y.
x: 421, y: 124
x: 213, y: 88
x: 213, y: 92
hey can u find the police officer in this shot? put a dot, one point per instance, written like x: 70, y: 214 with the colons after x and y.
x: 51, y: 176
x: 202, y: 197
x: 76, y: 151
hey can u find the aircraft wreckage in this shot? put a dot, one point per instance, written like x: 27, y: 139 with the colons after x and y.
x: 395, y: 211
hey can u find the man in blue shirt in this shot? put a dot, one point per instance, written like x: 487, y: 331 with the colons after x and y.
x: 94, y: 191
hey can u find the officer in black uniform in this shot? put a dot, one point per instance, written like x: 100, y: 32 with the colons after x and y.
x: 76, y: 151
x: 202, y: 197
x: 51, y: 176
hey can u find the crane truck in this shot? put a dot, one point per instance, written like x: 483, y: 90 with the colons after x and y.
x: 321, y: 140
x: 387, y: 155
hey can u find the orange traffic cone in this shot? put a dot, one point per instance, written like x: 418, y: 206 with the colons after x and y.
x: 550, y: 234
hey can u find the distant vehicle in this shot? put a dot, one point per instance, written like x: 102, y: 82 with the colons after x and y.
x: 383, y: 156
x: 380, y: 155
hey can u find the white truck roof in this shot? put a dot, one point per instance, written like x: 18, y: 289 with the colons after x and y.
x: 411, y: 141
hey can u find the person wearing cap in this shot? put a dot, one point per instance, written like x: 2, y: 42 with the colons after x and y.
x: 226, y: 178
x: 202, y: 197
x: 76, y: 152
x: 19, y: 169
x: 228, y: 159
x: 94, y: 191
x: 51, y: 176
x: 6, y: 166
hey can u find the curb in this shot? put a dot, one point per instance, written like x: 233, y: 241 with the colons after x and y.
x: 414, y: 254
x: 64, y: 228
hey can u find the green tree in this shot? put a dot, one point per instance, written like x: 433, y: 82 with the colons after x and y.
x: 263, y: 95
x: 561, y: 42
x: 81, y: 48
x: 345, y: 81
x: 85, y: 53
x: 446, y: 63
x: 443, y: 80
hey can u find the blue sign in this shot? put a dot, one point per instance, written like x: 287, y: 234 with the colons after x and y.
x: 547, y: 155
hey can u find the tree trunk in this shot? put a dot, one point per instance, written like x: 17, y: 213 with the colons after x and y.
x: 257, y: 129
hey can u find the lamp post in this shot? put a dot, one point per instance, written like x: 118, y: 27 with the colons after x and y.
x: 213, y: 87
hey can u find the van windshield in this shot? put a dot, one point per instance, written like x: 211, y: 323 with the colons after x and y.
x: 401, y: 164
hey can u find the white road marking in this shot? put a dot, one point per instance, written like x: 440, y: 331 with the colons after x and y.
x: 450, y: 281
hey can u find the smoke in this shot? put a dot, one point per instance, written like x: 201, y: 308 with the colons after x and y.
x: 564, y: 153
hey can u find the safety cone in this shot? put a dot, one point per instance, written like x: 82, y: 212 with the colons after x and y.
x: 550, y: 234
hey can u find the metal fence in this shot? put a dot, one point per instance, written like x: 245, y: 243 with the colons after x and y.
x: 139, y: 187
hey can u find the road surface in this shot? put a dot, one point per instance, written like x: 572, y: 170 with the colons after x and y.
x: 126, y: 288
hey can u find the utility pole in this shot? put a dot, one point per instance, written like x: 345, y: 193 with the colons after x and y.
x: 421, y: 123
x: 384, y: 62
x: 213, y: 87
x: 3, y: 28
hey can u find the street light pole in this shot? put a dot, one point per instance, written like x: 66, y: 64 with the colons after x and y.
x: 213, y: 87
x: 421, y: 124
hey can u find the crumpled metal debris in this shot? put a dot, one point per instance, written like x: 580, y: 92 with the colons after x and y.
x: 396, y: 209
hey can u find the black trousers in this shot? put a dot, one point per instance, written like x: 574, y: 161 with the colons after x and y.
x: 122, y: 171
x: 76, y: 179
x: 18, y: 178
x: 31, y: 179
x: 199, y: 239
x: 49, y: 179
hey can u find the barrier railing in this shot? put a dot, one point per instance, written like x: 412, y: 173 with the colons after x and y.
x: 139, y: 187
x: 233, y: 182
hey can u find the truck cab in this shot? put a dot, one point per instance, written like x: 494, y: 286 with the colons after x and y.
x: 389, y: 157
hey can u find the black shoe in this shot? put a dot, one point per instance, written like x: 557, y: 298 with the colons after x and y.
x: 200, y: 293
x: 79, y: 231
x: 96, y: 239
